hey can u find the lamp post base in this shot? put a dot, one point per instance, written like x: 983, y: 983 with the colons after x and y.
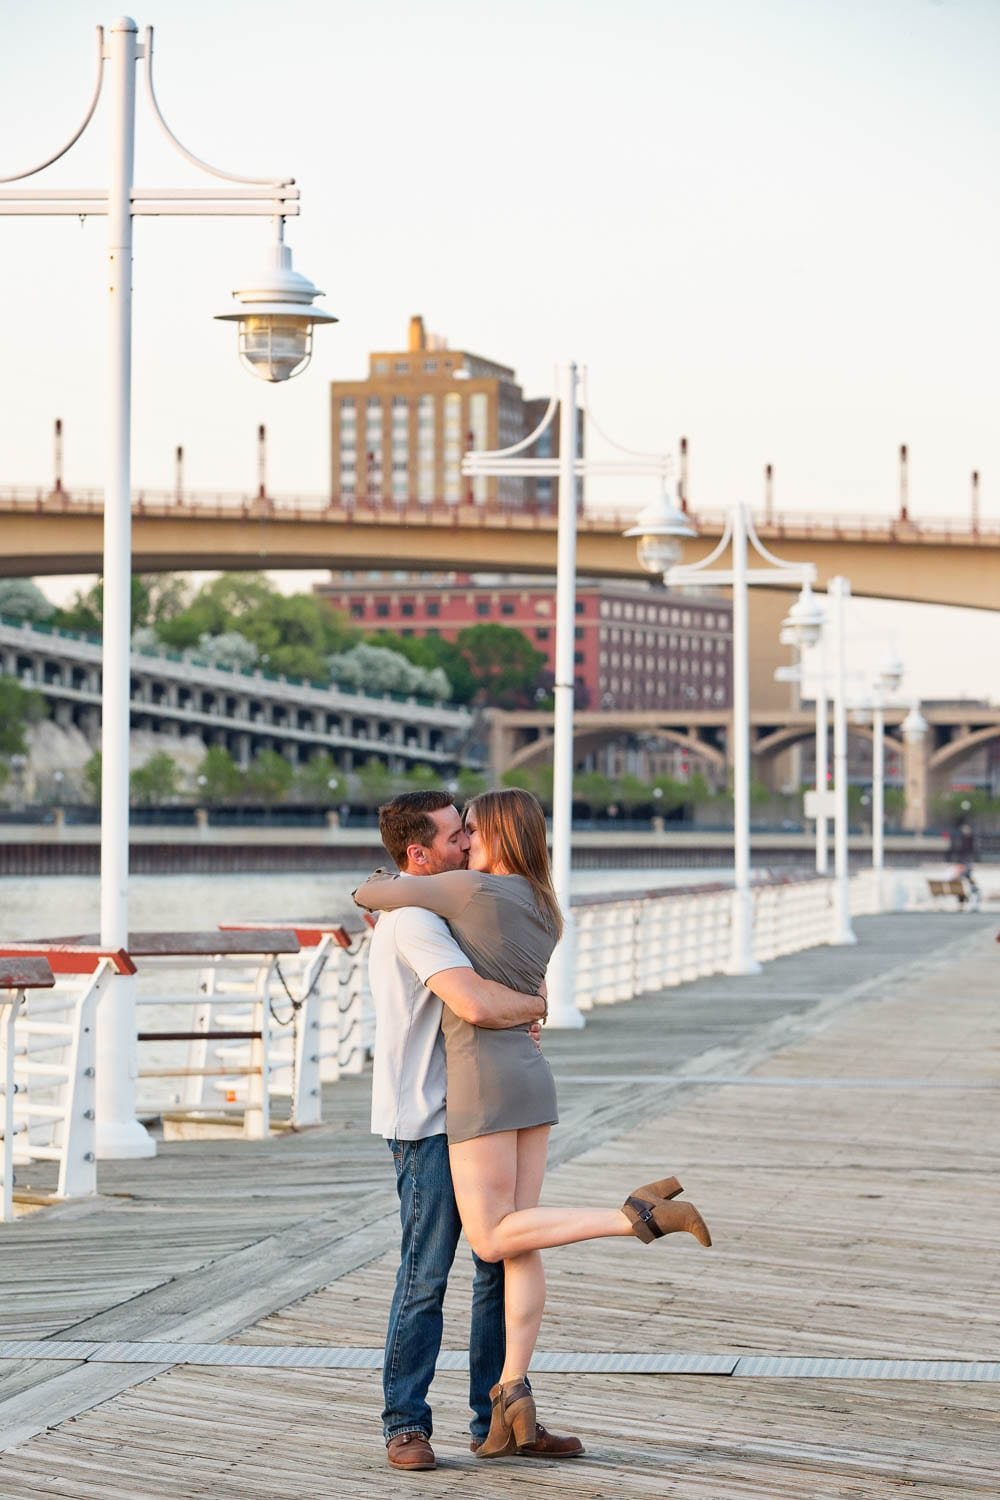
x: 122, y: 1140
x: 742, y: 966
x: 560, y: 976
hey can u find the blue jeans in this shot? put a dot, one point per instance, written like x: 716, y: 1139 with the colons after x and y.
x: 431, y: 1228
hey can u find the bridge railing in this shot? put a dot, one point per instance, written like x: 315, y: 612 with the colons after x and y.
x: 375, y: 508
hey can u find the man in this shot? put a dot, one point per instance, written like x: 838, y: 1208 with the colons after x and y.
x: 416, y: 966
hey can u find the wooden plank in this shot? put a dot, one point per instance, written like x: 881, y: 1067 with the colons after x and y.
x: 18, y: 973
x: 193, y: 944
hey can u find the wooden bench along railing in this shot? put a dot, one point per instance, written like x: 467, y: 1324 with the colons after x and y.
x: 49, y: 1059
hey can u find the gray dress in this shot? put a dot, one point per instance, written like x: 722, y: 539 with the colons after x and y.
x: 497, y: 1079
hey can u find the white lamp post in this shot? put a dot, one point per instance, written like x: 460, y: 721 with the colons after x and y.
x: 890, y: 675
x: 671, y: 526
x: 274, y: 342
x: 568, y: 467
x: 839, y: 591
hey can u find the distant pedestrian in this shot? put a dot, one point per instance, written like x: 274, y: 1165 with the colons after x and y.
x: 962, y: 850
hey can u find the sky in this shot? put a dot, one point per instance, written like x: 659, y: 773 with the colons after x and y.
x: 771, y: 227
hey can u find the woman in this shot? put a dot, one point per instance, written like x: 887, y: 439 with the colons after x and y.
x: 501, y: 1096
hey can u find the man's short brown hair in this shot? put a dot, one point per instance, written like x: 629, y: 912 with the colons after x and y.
x: 406, y: 820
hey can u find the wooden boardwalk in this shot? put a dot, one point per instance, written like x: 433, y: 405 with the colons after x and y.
x: 835, y: 1119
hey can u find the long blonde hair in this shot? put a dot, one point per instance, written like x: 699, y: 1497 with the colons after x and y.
x: 511, y: 825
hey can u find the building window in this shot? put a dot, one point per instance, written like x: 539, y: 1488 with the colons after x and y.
x: 357, y: 611
x: 506, y: 608
x: 382, y: 611
x: 430, y: 365
x: 402, y: 367
x: 542, y: 633
x: 580, y: 606
x: 578, y: 658
x: 483, y: 607
x: 578, y: 633
x: 433, y: 609
x: 406, y: 610
x: 380, y: 367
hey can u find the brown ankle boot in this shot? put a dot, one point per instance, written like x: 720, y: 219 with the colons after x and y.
x: 650, y: 1221
x: 667, y: 1187
x: 512, y: 1422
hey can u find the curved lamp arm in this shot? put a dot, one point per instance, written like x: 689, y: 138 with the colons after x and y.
x: 86, y: 119
x: 805, y: 571
x: 665, y: 460
x: 189, y: 155
x: 706, y: 562
x: 525, y: 442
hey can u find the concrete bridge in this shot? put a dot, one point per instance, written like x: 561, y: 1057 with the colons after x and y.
x: 957, y: 732
x: 45, y: 532
x: 243, y: 711
x: 926, y: 560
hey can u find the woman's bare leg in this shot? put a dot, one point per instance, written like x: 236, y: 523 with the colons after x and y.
x: 484, y: 1172
x: 524, y: 1275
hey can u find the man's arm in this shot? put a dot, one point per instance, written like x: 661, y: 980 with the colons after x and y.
x: 483, y: 1002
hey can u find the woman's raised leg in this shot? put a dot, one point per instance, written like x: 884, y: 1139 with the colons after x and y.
x: 524, y: 1275
x: 485, y: 1174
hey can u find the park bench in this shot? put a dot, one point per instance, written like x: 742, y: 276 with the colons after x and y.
x: 942, y: 889
x: 49, y: 994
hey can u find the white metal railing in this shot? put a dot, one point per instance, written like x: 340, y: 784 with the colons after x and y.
x: 650, y: 940
x: 47, y: 1079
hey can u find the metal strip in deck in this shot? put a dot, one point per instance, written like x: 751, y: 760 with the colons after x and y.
x: 561, y: 1362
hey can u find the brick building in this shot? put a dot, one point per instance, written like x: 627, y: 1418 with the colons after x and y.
x: 637, y: 646
x: 400, y: 433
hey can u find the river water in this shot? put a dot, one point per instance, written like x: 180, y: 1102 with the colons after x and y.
x: 61, y: 905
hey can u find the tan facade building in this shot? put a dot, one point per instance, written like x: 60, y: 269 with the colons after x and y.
x: 400, y: 434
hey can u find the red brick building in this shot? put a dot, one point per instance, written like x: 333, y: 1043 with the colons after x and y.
x: 637, y: 646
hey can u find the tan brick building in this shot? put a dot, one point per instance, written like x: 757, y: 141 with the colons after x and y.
x: 399, y: 435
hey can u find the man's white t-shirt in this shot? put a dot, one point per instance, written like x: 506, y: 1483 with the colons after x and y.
x: 409, y: 1078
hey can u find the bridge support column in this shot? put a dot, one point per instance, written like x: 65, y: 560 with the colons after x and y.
x: 916, y: 780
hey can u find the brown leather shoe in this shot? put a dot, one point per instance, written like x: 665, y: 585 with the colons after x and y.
x: 410, y: 1450
x: 546, y: 1445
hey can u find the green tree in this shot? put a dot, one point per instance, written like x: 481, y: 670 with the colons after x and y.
x: 22, y: 599
x: 505, y: 665
x: 596, y: 790
x: 296, y: 632
x: 92, y: 779
x: 376, y: 783
x: 422, y: 779
x: 672, y: 793
x: 535, y: 779
x: 269, y: 776
x: 155, y: 782
x: 631, y: 792
x: 470, y: 784
x: 313, y: 780
x: 19, y: 708
x: 219, y: 777
x: 85, y: 611
x: 432, y: 651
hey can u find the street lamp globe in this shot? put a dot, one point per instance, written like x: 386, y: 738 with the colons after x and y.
x: 915, y: 727
x: 659, y: 530
x: 276, y: 318
x: 803, y: 623
x: 890, y: 673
